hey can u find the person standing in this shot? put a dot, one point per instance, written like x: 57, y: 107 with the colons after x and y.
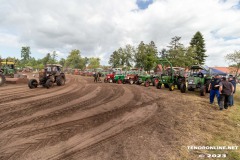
x: 231, y: 101
x: 214, y: 89
x: 95, y: 76
x: 225, y: 89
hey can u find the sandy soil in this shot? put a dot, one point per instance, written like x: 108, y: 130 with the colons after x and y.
x: 94, y: 121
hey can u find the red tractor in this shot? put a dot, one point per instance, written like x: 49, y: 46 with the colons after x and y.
x: 131, y: 78
x: 109, y: 78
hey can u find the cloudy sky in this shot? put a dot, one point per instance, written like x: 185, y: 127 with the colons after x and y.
x: 98, y: 27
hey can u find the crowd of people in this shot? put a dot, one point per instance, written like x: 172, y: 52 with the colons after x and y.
x: 223, y: 89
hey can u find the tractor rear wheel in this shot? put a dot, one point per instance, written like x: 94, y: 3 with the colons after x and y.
x: 131, y: 81
x: 60, y: 81
x: 49, y: 83
x: 159, y: 85
x: 202, y: 91
x: 2, y: 79
x: 183, y: 88
x: 32, y: 83
x: 146, y: 84
x: 171, y: 87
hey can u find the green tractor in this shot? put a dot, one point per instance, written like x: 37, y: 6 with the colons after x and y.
x: 148, y: 79
x: 119, y: 78
x: 197, y: 80
x: 7, y: 69
x: 171, y: 77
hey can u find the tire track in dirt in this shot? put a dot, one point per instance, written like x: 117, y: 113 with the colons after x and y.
x: 53, y: 116
x: 16, y: 90
x: 9, y: 87
x: 96, y: 135
x: 70, y: 131
x: 61, y: 99
x: 25, y: 103
x: 55, y: 127
x: 72, y: 127
x: 28, y: 93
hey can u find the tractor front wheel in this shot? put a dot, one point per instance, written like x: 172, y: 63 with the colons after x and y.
x: 155, y: 82
x: 202, y: 91
x: 171, y: 87
x: 49, y: 83
x: 183, y: 88
x: 159, y: 85
x: 32, y: 83
x: 131, y: 81
x: 146, y: 84
x: 110, y: 80
x: 60, y: 81
x: 2, y: 79
x: 119, y: 81
x: 166, y: 85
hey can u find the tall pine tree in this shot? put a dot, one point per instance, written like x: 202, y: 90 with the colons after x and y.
x: 199, y: 44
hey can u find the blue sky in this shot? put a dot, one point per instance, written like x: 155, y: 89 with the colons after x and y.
x: 98, y: 27
x: 143, y: 4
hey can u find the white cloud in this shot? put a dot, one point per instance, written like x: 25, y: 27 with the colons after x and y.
x: 98, y: 27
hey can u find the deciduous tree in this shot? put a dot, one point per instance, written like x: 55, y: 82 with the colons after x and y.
x: 234, y: 59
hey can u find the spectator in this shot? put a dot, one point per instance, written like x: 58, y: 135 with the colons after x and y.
x: 233, y: 81
x: 214, y: 89
x: 225, y: 89
x: 95, y: 77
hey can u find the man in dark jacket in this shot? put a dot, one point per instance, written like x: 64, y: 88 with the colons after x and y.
x: 226, y: 89
x: 233, y: 81
x: 214, y: 89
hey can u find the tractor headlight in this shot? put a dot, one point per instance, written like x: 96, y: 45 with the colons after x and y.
x: 191, y: 81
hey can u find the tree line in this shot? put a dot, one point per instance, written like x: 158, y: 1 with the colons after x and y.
x: 146, y: 56
x: 74, y: 60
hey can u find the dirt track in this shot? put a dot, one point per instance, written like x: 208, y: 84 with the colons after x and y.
x: 86, y: 120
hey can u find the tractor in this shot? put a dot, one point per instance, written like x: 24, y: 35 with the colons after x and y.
x: 119, y: 78
x: 51, y: 74
x: 7, y: 69
x: 109, y: 77
x: 171, y: 76
x: 132, y: 76
x: 147, y: 79
x: 197, y: 80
